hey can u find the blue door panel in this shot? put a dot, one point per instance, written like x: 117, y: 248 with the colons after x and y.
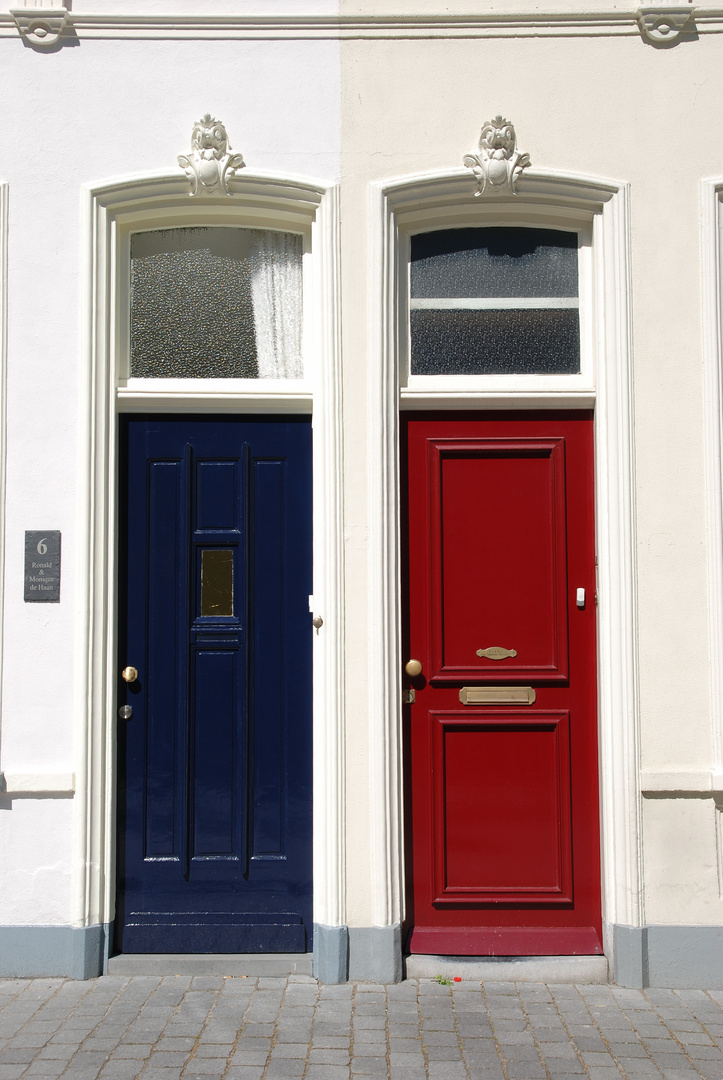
x: 214, y: 800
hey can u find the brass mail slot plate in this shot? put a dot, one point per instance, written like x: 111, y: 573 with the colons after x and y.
x: 497, y: 695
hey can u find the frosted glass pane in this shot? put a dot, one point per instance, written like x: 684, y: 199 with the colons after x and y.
x: 192, y: 304
x: 539, y: 341
x: 494, y: 262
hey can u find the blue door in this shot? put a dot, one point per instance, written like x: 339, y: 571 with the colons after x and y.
x: 214, y: 807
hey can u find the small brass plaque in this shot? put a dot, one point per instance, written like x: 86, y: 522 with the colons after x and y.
x: 217, y: 581
x: 496, y: 652
x: 497, y: 695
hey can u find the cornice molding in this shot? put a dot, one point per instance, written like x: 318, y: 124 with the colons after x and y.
x: 490, y: 24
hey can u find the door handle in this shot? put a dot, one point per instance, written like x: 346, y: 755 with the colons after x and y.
x: 413, y: 668
x: 129, y: 674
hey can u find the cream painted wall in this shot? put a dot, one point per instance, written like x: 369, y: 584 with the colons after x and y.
x: 84, y: 114
x: 609, y: 107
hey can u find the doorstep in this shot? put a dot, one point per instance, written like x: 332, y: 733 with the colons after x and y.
x: 256, y: 965
x: 548, y: 969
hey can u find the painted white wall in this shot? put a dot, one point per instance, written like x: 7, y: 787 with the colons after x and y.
x: 94, y: 111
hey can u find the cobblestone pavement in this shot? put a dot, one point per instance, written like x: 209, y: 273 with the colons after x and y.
x: 200, y: 1028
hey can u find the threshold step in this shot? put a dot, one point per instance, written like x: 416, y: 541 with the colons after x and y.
x: 256, y: 965
x: 585, y: 970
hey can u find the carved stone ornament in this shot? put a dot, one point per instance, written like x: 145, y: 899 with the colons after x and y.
x: 41, y: 27
x: 210, y: 164
x: 498, y: 165
x: 662, y: 24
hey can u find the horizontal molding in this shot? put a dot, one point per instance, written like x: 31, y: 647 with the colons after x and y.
x: 694, y: 782
x: 37, y: 783
x: 450, y: 398
x: 491, y: 303
x: 212, y: 401
x: 490, y: 24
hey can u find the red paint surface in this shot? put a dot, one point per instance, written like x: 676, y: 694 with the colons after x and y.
x: 504, y: 850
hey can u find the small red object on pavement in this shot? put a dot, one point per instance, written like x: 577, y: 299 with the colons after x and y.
x: 458, y: 978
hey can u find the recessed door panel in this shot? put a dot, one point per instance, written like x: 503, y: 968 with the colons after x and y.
x: 215, y: 761
x: 498, y: 559
x: 502, y: 828
x: 503, y: 798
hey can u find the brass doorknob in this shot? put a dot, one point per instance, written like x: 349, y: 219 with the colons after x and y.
x: 413, y: 668
x: 129, y: 674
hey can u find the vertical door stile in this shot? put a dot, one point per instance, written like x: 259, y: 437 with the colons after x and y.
x: 182, y: 626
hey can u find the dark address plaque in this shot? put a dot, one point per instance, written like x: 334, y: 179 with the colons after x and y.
x: 42, y: 567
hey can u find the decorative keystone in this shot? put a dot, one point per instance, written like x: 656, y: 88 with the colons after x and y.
x: 41, y: 27
x: 662, y: 24
x: 498, y: 166
x: 210, y: 164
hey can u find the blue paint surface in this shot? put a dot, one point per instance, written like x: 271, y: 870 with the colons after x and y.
x: 214, y: 807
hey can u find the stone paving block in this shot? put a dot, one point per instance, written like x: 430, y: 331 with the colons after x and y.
x: 369, y: 1049
x: 328, y: 1057
x: 446, y: 1037
x: 413, y: 1058
x: 369, y: 1066
x: 670, y: 1061
x: 207, y: 1066
x: 11, y: 1072
x: 326, y: 1072
x: 120, y: 1070
x: 213, y: 1050
x: 443, y: 1053
x: 57, y: 1051
x: 290, y: 1050
x: 525, y: 1070
x: 285, y: 1067
x: 369, y: 1023
x: 132, y: 1050
x: 520, y: 1052
x: 167, y: 1059
x: 567, y: 1065
x: 403, y: 991
x: 45, y: 1068
x: 637, y: 1067
x: 175, y: 1043
x: 241, y: 1056
x: 515, y: 1038
x: 244, y: 1072
x: 18, y: 1055
x: 368, y: 1034
x: 443, y: 1070
x: 610, y: 1072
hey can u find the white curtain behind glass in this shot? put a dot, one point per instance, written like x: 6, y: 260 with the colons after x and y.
x: 276, y: 292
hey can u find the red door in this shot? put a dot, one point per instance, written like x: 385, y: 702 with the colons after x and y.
x: 505, y: 847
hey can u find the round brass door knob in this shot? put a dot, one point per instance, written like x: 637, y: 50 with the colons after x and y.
x: 129, y: 674
x: 413, y: 668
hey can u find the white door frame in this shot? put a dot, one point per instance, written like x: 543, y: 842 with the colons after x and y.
x: 110, y: 211
x: 555, y: 200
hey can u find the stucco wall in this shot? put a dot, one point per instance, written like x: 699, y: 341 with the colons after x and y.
x: 369, y: 108
x: 91, y: 112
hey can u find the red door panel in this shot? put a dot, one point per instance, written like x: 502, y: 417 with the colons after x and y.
x: 504, y: 852
x: 498, y: 549
x: 525, y: 762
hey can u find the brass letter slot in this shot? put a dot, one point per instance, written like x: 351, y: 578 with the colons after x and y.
x: 497, y: 695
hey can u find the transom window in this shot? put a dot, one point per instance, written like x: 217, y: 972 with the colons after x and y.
x: 216, y: 303
x: 494, y: 300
